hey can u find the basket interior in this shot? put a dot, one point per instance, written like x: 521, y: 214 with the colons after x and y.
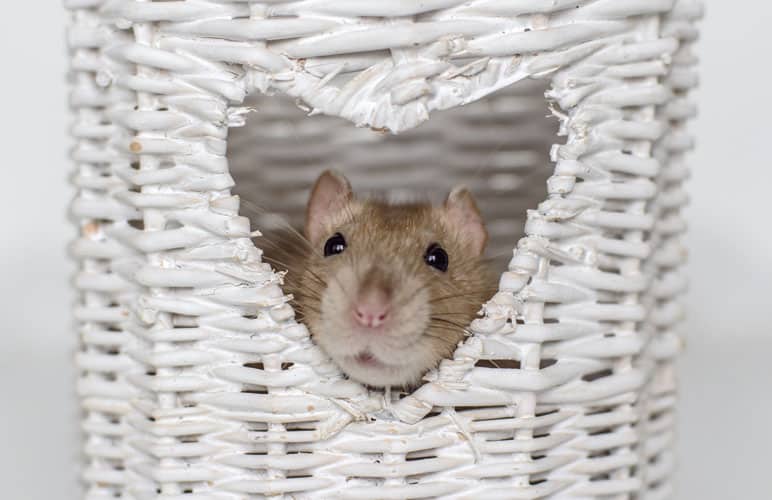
x: 498, y: 147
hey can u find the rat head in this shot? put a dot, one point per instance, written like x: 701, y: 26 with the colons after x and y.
x: 387, y: 290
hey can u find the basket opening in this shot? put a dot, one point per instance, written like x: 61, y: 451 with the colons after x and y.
x: 498, y: 147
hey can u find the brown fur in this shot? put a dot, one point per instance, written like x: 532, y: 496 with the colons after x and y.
x: 386, y: 244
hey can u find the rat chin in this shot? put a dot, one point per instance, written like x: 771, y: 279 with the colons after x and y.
x: 378, y: 334
x: 365, y: 367
x: 377, y: 358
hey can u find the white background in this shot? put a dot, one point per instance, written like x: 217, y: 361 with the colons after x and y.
x: 726, y: 410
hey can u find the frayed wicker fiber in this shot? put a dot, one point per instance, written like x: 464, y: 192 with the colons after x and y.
x: 195, y: 380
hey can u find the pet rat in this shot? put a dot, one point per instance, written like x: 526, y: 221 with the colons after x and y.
x: 385, y: 289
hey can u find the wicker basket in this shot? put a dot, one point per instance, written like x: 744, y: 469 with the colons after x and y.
x: 196, y: 382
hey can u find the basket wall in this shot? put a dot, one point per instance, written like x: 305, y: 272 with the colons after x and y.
x: 195, y: 380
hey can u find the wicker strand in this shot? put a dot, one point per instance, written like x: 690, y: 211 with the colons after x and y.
x: 197, y: 382
x: 102, y: 306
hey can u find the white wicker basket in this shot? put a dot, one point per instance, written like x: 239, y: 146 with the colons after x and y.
x: 195, y: 380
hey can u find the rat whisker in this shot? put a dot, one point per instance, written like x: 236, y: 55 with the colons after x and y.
x: 472, y: 296
x: 446, y: 340
x: 437, y: 328
x: 407, y: 298
x: 456, y: 301
x: 316, y: 278
x: 448, y: 332
x: 251, y: 207
x: 449, y: 322
x: 445, y: 326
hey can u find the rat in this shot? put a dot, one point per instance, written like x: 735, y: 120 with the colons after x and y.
x: 386, y: 290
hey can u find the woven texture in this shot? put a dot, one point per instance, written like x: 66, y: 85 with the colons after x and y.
x: 195, y: 380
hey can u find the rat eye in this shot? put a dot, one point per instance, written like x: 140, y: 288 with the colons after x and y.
x: 335, y: 245
x: 436, y: 257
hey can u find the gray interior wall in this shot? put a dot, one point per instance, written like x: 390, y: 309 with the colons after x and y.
x: 278, y: 154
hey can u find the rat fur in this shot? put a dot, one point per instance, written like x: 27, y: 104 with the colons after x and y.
x: 384, y: 265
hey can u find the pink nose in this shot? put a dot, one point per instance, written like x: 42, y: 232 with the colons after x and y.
x: 371, y: 309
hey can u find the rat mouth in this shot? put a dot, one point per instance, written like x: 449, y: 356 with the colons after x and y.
x: 366, y: 358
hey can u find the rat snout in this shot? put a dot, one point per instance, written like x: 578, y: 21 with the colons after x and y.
x: 372, y: 307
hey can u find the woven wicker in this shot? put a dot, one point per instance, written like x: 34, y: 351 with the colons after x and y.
x: 196, y: 382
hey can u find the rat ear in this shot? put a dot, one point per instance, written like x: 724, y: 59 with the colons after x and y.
x: 463, y: 215
x: 330, y: 194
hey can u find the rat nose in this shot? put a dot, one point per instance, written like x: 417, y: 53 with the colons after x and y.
x: 372, y: 308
